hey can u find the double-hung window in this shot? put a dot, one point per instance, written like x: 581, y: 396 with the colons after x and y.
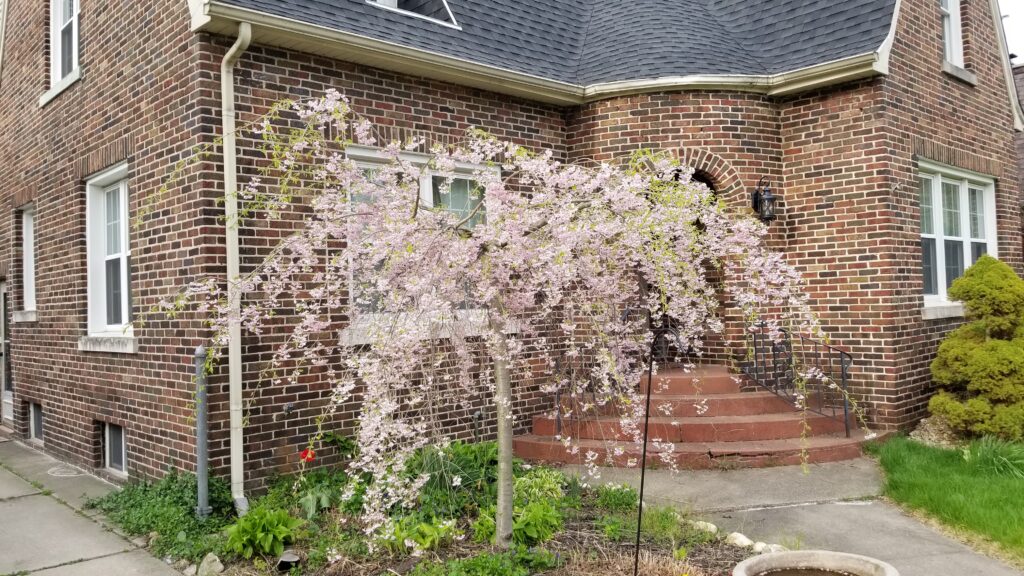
x: 958, y: 225
x: 109, y: 253
x: 63, y: 40
x: 462, y: 196
x: 952, y: 32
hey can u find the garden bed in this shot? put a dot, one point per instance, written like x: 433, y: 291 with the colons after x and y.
x: 562, y: 527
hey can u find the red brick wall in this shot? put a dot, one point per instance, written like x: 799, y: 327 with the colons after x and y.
x: 135, y: 101
x: 1018, y: 76
x: 932, y: 115
x: 732, y: 138
x: 400, y: 107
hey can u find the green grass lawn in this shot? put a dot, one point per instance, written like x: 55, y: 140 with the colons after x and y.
x: 959, y: 494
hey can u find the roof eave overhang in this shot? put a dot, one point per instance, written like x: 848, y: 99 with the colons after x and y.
x: 214, y: 17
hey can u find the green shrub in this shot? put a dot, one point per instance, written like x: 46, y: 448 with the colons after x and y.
x: 167, y: 507
x: 996, y: 456
x: 615, y: 528
x: 617, y: 498
x: 980, y: 366
x: 262, y: 531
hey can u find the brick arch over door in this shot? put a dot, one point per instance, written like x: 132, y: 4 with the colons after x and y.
x: 723, y: 176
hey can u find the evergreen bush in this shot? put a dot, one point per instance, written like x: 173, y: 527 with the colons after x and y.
x: 980, y: 366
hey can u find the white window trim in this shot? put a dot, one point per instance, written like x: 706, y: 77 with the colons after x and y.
x: 61, y: 86
x: 56, y: 41
x: 392, y: 6
x: 939, y: 305
x: 953, y: 44
x: 104, y: 337
x: 470, y: 322
x: 106, y: 450
x: 28, y: 259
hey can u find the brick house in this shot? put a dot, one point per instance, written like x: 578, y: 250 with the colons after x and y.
x: 1018, y: 76
x: 872, y: 118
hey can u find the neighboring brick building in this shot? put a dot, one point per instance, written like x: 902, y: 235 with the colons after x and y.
x: 1018, y: 76
x: 848, y: 108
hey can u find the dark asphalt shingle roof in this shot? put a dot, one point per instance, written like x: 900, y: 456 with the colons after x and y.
x: 595, y: 41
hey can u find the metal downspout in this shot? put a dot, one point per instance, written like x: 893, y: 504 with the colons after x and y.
x: 227, y: 91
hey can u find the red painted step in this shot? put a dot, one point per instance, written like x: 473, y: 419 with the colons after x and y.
x: 731, y: 404
x: 770, y: 426
x: 700, y: 455
x: 712, y: 418
x: 700, y: 380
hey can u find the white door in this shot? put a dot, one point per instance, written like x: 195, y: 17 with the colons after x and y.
x: 6, y: 385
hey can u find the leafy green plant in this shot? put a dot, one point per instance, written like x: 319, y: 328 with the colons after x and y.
x: 462, y: 477
x: 317, y: 499
x: 167, y: 507
x: 422, y: 535
x: 262, y: 531
x: 996, y: 456
x: 980, y: 366
x: 614, y: 528
x: 536, y: 522
x: 345, y: 446
x: 532, y: 524
x: 617, y: 498
x: 539, y: 484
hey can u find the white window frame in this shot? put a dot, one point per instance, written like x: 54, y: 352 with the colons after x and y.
x: 57, y: 23
x: 28, y: 259
x: 96, y: 236
x: 392, y: 6
x: 106, y: 450
x: 952, y: 32
x: 472, y: 321
x: 965, y: 179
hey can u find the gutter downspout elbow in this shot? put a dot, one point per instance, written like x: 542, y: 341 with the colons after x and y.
x: 227, y: 91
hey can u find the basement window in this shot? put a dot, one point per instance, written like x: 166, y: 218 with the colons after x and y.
x: 35, y: 421
x: 115, y: 452
x: 434, y: 10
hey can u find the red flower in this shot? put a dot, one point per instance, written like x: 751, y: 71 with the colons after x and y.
x: 307, y: 455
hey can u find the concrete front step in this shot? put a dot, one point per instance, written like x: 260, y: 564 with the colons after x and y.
x: 700, y: 380
x: 695, y: 429
x: 698, y: 455
x: 731, y: 404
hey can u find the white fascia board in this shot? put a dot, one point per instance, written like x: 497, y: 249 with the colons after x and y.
x: 210, y: 16
x: 885, y: 50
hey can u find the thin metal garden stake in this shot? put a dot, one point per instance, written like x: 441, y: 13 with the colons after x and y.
x: 643, y: 457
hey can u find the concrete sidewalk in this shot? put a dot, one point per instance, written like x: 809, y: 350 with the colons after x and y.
x: 44, y: 530
x: 835, y: 506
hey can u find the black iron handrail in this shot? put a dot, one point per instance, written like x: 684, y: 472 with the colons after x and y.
x: 809, y: 373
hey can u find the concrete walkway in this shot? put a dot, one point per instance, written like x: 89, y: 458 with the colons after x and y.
x: 833, y: 507
x: 44, y: 530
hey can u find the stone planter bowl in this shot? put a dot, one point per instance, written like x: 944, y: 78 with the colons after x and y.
x: 814, y: 559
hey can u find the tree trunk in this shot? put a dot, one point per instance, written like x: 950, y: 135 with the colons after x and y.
x: 503, y: 403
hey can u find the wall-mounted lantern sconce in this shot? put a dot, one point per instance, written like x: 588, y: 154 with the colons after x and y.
x: 763, y: 201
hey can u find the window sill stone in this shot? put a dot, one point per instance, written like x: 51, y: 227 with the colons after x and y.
x: 23, y: 316
x: 940, y: 311
x: 116, y: 344
x: 61, y: 86
x: 961, y: 74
